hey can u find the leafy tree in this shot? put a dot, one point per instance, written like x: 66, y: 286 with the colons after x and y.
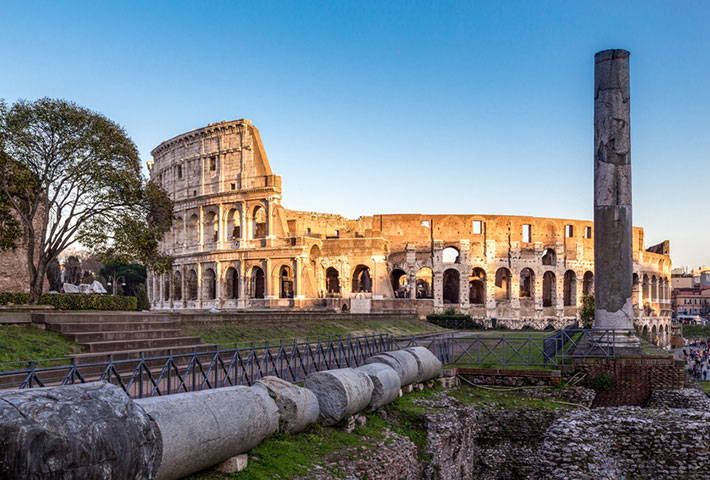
x: 142, y: 297
x: 72, y: 175
x: 133, y: 274
x: 587, y: 312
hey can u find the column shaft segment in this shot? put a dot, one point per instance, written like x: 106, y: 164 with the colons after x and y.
x: 613, y: 257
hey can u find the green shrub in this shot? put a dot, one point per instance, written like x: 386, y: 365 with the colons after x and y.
x: 142, y: 298
x: 457, y: 321
x: 601, y: 382
x: 587, y: 312
x: 75, y: 301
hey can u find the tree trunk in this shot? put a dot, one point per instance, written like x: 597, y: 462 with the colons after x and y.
x: 37, y: 281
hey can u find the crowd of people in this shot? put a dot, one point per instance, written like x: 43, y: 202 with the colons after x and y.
x: 697, y: 360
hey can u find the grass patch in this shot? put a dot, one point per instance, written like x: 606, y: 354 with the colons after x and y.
x: 696, y: 331
x: 705, y: 385
x: 230, y: 333
x: 27, y: 342
x: 507, y: 400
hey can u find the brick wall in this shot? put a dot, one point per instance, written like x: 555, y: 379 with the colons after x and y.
x: 634, y: 377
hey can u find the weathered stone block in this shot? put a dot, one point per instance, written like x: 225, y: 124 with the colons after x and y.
x: 385, y: 383
x: 298, y: 407
x: 202, y: 429
x: 428, y: 366
x: 92, y: 430
x: 340, y: 393
x: 234, y: 464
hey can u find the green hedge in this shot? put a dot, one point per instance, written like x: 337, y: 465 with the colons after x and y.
x: 455, y: 321
x: 75, y: 301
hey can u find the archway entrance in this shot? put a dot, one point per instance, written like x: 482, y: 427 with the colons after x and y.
x: 257, y: 283
x: 549, y: 289
x: 332, y: 281
x: 477, y: 286
x: 570, y: 288
x: 232, y: 283
x: 361, y: 280
x: 424, y: 283
x: 400, y: 285
x: 286, y: 282
x: 451, y: 286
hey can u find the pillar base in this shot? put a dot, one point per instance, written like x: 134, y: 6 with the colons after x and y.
x: 623, y: 342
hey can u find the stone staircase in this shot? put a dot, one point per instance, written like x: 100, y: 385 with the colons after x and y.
x: 123, y: 338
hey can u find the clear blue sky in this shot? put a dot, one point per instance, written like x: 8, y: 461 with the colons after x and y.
x: 397, y: 107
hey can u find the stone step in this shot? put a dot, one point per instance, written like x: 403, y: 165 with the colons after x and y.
x: 103, y: 317
x: 184, y: 351
x: 131, y: 335
x: 115, y: 345
x: 69, y: 328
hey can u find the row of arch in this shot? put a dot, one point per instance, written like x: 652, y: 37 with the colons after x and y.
x: 188, y: 231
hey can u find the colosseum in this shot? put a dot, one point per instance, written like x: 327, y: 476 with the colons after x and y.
x: 236, y: 247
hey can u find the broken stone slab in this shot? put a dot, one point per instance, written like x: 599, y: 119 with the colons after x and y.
x: 298, y: 407
x: 205, y: 428
x: 234, y: 464
x: 402, y: 362
x: 428, y: 365
x: 385, y: 383
x: 91, y: 430
x: 340, y: 393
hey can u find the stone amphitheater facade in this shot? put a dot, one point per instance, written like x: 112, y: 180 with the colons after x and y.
x: 237, y: 248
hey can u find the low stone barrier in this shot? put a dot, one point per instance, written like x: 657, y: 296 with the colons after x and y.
x: 385, y: 383
x: 402, y: 362
x: 201, y: 429
x: 91, y: 430
x: 298, y: 407
x: 340, y: 393
x: 428, y: 366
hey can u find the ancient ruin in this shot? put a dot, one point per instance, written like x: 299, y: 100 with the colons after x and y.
x: 237, y: 247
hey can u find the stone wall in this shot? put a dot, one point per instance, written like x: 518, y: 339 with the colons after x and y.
x: 627, y: 443
x: 634, y: 377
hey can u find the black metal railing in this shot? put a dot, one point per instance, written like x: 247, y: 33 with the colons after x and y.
x: 185, y: 372
x: 199, y: 370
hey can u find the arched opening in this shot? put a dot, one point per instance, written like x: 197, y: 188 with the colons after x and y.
x: 644, y: 333
x: 424, y: 283
x: 527, y: 283
x: 259, y: 222
x: 166, y: 287
x: 209, y: 283
x: 178, y: 231
x: 477, y: 286
x: 193, y: 230
x: 361, y: 280
x: 400, y: 285
x: 192, y: 285
x: 286, y: 282
x: 549, y: 289
x: 210, y: 228
x: 332, y: 281
x: 233, y: 227
x: 257, y: 283
x: 588, y: 283
x: 451, y: 286
x: 231, y: 283
x: 549, y: 257
x: 450, y: 255
x: 654, y: 335
x: 570, y: 287
x: 177, y: 286
x: 503, y: 280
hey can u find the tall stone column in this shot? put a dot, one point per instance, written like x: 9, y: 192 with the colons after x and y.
x: 613, y: 252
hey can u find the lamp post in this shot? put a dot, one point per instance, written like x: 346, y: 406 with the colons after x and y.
x: 115, y: 283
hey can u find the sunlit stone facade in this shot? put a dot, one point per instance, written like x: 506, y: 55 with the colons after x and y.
x: 236, y: 247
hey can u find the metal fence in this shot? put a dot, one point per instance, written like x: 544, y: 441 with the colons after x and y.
x: 186, y: 372
x: 177, y: 373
